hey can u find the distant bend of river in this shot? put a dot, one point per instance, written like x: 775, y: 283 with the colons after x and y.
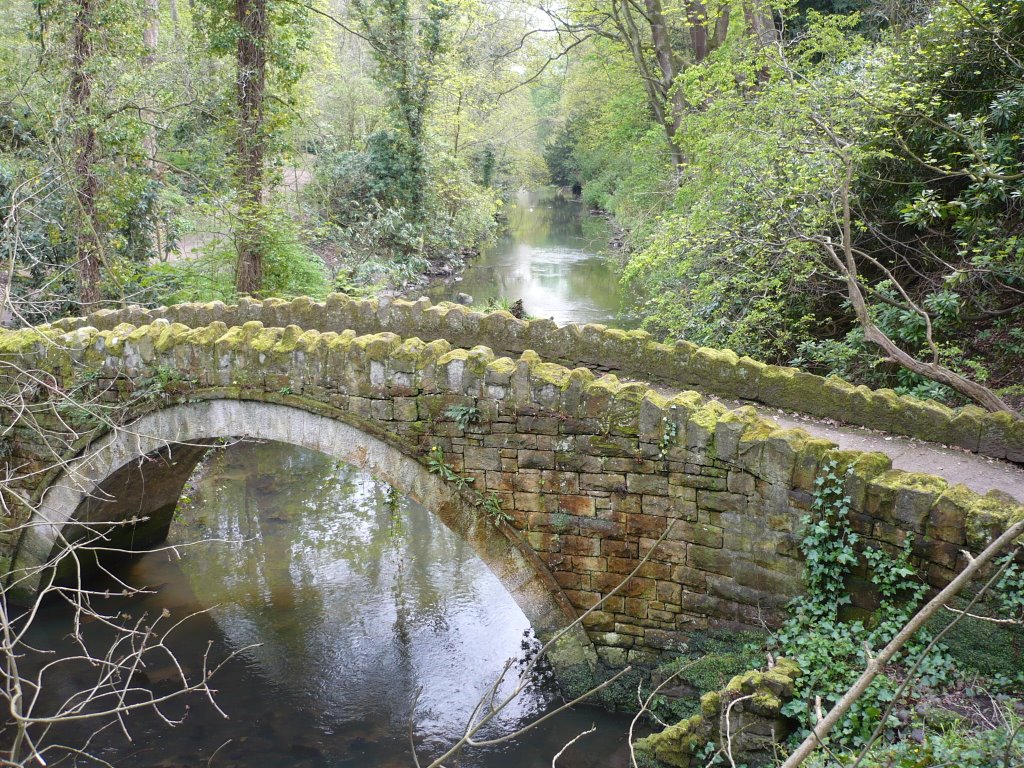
x: 554, y: 256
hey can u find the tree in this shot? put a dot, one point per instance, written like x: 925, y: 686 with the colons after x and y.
x: 250, y: 92
x: 651, y: 40
x: 266, y: 40
x: 408, y: 41
x: 870, y: 166
x: 84, y: 153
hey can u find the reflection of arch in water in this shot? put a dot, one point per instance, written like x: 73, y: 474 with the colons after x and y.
x: 139, y: 471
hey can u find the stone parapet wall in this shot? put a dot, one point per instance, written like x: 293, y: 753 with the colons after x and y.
x: 591, y: 470
x: 633, y: 353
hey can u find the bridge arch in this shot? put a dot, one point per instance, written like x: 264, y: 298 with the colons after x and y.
x: 181, y: 434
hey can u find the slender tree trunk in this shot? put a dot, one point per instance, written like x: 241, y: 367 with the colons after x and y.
x: 761, y: 26
x: 85, y: 153
x: 668, y: 65
x: 151, y: 43
x: 846, y: 262
x: 251, y: 17
x: 175, y: 18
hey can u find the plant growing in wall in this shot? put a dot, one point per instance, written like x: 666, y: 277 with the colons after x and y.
x: 463, y: 415
x: 832, y: 651
x: 488, y: 503
x: 669, y: 437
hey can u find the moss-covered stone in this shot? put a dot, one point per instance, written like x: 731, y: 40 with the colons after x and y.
x: 751, y: 699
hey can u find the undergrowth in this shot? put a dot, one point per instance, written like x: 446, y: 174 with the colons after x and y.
x: 949, y: 713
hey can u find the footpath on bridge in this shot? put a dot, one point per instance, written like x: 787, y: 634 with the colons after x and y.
x: 966, y: 446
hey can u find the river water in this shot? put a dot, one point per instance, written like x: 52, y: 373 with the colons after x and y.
x: 344, y: 599
x: 552, y: 255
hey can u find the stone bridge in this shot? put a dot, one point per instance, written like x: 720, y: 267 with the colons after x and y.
x: 562, y: 479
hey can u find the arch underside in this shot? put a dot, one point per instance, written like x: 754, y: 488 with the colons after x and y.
x: 108, y: 484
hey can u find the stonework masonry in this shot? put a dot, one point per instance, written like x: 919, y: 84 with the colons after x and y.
x: 631, y: 353
x: 591, y: 470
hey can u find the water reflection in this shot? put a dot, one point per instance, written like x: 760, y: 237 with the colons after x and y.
x: 351, y: 588
x: 550, y: 256
x: 358, y: 597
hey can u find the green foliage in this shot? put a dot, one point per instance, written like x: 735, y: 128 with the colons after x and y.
x: 950, y: 746
x: 708, y: 661
x: 289, y: 37
x: 290, y: 268
x: 562, y: 164
x: 993, y: 652
x: 387, y: 213
x: 833, y: 652
x: 463, y: 415
x: 488, y: 503
x: 155, y: 387
x: 927, y: 106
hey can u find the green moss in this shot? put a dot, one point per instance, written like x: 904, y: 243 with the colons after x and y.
x: 410, y: 349
x: 898, y: 480
x: 991, y: 514
x: 452, y: 355
x: 551, y: 373
x: 17, y: 342
x: 503, y: 366
x: 707, y: 416
x: 607, y: 386
x: 288, y: 341
x: 378, y: 346
x: 171, y: 336
x: 478, y: 359
x: 265, y: 340
x: 757, y: 430
x: 689, y: 400
x: 982, y: 647
x: 711, y: 703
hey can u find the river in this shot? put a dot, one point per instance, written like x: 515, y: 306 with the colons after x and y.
x: 551, y: 255
x: 346, y: 598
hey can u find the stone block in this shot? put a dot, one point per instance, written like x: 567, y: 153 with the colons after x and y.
x: 581, y: 545
x: 740, y: 482
x: 713, y: 560
x: 576, y: 505
x: 651, y: 484
x: 482, y: 458
x: 721, y: 501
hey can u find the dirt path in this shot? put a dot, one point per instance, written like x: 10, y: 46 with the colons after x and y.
x: 979, y: 473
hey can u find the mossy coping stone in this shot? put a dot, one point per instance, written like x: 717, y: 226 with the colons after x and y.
x: 717, y: 371
x: 757, y: 695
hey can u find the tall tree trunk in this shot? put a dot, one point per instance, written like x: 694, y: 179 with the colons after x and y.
x: 251, y: 17
x: 150, y: 44
x: 175, y: 19
x: 85, y: 153
x: 668, y: 65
